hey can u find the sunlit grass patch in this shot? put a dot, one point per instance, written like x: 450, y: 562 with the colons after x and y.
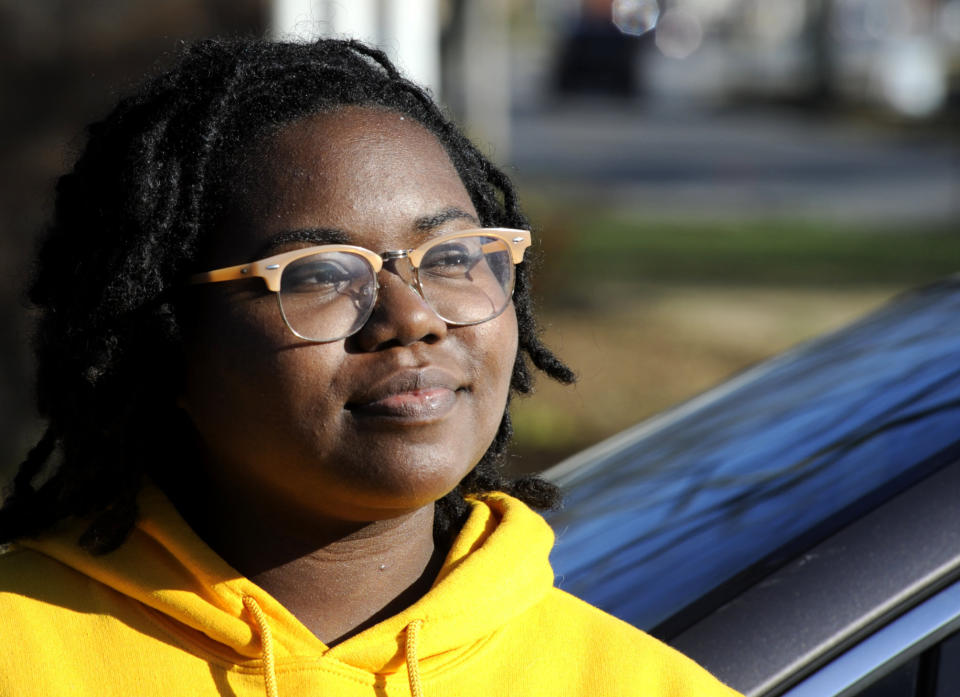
x: 580, y: 249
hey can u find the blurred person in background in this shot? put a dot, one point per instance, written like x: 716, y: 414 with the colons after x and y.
x: 272, y: 449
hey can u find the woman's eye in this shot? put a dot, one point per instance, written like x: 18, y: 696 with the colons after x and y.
x: 316, y: 277
x: 451, y: 260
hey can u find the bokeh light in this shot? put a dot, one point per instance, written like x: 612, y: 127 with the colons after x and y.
x: 912, y: 78
x: 679, y: 34
x: 635, y: 17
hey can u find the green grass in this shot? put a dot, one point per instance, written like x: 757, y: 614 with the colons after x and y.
x: 581, y: 250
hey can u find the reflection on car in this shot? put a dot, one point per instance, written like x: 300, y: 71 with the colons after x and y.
x: 795, y: 530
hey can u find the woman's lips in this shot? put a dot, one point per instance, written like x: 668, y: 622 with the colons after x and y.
x: 428, y: 403
x: 416, y: 395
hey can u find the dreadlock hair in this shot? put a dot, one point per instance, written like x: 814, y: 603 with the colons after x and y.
x: 127, y: 226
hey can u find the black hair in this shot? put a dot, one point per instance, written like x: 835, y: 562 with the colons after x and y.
x: 127, y: 225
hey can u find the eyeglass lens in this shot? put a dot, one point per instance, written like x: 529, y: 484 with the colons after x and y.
x: 330, y: 295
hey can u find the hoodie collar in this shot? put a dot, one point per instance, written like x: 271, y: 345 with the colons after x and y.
x: 496, y: 569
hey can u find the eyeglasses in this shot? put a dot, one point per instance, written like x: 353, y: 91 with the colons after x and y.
x: 327, y: 293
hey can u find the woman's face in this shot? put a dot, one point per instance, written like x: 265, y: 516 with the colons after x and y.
x: 387, y: 420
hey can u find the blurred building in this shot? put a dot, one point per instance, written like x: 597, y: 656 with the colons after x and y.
x: 899, y: 55
x: 408, y: 30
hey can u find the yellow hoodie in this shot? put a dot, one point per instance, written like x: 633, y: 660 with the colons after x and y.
x: 164, y: 615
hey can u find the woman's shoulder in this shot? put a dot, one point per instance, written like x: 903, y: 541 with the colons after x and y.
x: 29, y: 578
x: 631, y: 658
x: 19, y: 564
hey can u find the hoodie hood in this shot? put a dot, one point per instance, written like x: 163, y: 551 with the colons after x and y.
x: 496, y: 569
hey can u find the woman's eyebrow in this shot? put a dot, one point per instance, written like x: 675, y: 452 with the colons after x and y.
x: 430, y: 222
x: 314, y: 236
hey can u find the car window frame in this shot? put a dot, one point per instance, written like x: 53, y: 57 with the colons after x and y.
x: 906, y: 637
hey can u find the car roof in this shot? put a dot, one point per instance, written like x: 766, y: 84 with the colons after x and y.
x: 668, y: 521
x: 836, y: 593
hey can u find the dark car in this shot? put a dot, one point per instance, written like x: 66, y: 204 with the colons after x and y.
x: 795, y: 530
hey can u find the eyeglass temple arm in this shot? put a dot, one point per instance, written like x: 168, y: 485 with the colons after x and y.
x: 519, y: 241
x: 270, y: 273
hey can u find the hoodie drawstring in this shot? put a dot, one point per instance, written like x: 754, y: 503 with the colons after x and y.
x: 266, y: 641
x: 269, y: 669
x: 413, y: 664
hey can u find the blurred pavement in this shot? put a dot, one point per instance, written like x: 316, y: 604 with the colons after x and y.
x: 696, y: 162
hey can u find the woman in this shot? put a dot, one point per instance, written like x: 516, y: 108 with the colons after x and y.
x: 271, y: 460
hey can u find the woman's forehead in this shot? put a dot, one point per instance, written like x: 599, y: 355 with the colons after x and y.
x: 372, y: 173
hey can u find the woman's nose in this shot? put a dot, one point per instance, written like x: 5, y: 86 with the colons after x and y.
x: 401, y: 316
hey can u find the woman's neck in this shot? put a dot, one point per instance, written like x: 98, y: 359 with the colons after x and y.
x: 337, y: 578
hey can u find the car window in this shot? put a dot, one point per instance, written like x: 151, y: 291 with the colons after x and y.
x: 934, y: 673
x: 902, y: 682
x: 947, y: 668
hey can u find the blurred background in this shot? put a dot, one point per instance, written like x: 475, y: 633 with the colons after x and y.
x: 710, y: 181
